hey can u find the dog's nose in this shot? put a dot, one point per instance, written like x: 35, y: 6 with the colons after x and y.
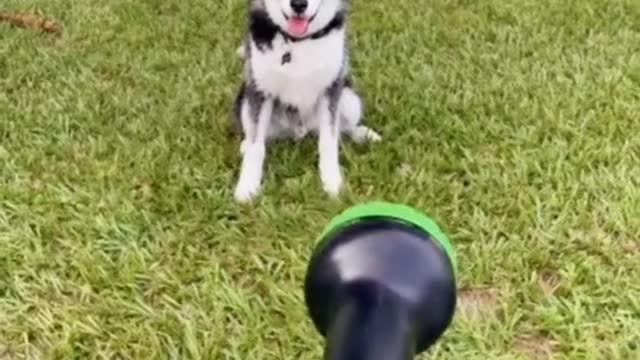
x: 299, y: 6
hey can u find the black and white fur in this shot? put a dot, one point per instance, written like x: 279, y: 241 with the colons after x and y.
x: 295, y: 86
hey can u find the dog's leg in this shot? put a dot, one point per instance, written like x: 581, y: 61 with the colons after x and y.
x: 350, y: 108
x: 248, y: 126
x: 254, y: 150
x: 328, y: 146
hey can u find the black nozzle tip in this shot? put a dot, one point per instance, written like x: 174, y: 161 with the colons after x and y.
x: 377, y: 260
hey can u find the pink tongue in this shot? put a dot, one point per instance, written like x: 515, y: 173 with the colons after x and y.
x: 298, y: 26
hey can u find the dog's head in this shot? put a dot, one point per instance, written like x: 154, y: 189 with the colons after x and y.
x: 300, y: 18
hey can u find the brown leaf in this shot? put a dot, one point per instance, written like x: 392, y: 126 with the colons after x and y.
x: 478, y: 303
x: 549, y: 283
x: 631, y: 247
x: 536, y: 347
x: 144, y: 189
x: 31, y: 22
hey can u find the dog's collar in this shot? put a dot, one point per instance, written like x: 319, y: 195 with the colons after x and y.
x: 336, y: 23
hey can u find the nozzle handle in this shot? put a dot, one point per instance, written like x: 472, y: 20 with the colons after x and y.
x: 372, y: 323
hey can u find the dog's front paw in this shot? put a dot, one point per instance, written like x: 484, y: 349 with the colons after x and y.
x: 331, y: 180
x: 250, y: 180
x: 247, y: 189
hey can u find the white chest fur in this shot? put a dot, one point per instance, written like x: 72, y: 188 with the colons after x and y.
x: 301, y: 81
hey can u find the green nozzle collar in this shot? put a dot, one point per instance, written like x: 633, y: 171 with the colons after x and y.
x: 398, y: 212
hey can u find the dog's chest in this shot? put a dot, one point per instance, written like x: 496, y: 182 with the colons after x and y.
x: 298, y: 73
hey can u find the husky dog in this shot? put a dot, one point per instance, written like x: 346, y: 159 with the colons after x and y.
x: 296, y: 81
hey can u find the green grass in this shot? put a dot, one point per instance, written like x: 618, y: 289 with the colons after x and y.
x: 514, y: 123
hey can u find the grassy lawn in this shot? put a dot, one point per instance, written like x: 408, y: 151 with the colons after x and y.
x: 514, y: 123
